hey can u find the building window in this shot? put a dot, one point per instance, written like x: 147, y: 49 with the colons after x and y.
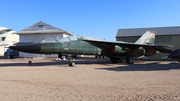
x: 40, y: 26
x: 3, y: 38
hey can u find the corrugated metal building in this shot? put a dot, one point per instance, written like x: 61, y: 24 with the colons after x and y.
x: 164, y: 36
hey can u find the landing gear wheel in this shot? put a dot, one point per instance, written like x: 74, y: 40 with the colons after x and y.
x: 130, y: 60
x: 71, y: 63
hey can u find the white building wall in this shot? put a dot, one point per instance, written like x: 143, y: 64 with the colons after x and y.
x: 10, y: 39
x: 40, y: 37
x: 2, y: 50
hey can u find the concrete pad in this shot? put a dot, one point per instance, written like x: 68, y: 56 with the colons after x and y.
x: 90, y: 79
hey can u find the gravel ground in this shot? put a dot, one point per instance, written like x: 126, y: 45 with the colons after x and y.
x: 89, y: 80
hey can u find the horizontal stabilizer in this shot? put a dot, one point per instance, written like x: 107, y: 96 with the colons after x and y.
x: 162, y: 49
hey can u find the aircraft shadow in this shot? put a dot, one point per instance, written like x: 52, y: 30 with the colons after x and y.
x: 54, y: 62
x: 143, y: 67
x: 19, y: 64
x: 120, y: 67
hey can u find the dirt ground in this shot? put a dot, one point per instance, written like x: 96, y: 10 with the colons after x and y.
x: 89, y: 80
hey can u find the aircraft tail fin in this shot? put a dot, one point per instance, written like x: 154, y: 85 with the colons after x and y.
x: 147, y: 38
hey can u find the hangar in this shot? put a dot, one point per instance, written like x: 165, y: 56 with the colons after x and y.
x: 164, y: 36
x: 40, y: 32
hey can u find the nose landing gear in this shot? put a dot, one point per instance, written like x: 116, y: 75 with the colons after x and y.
x: 71, y: 62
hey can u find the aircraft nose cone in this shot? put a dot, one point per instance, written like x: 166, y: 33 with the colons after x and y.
x: 34, y: 48
x: 14, y: 47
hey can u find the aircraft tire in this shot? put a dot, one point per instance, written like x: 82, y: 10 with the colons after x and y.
x: 71, y: 63
x: 130, y: 60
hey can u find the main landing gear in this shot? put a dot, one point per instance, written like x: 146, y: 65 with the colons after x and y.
x: 129, y: 59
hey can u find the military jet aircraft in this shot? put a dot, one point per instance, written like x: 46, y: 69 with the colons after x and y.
x: 175, y: 55
x: 118, y: 50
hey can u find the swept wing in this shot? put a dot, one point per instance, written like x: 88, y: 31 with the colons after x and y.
x: 128, y: 46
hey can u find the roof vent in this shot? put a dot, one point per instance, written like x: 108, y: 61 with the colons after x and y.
x: 40, y: 26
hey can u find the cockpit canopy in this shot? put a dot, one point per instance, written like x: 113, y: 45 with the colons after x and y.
x: 72, y: 38
x: 68, y: 39
x: 75, y: 38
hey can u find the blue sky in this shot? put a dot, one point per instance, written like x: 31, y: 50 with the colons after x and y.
x: 95, y: 18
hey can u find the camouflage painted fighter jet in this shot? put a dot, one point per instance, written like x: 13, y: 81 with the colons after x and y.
x: 175, y: 55
x: 144, y: 46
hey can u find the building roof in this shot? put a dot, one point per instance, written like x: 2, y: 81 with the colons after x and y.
x: 175, y: 30
x: 42, y: 27
x: 4, y: 29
